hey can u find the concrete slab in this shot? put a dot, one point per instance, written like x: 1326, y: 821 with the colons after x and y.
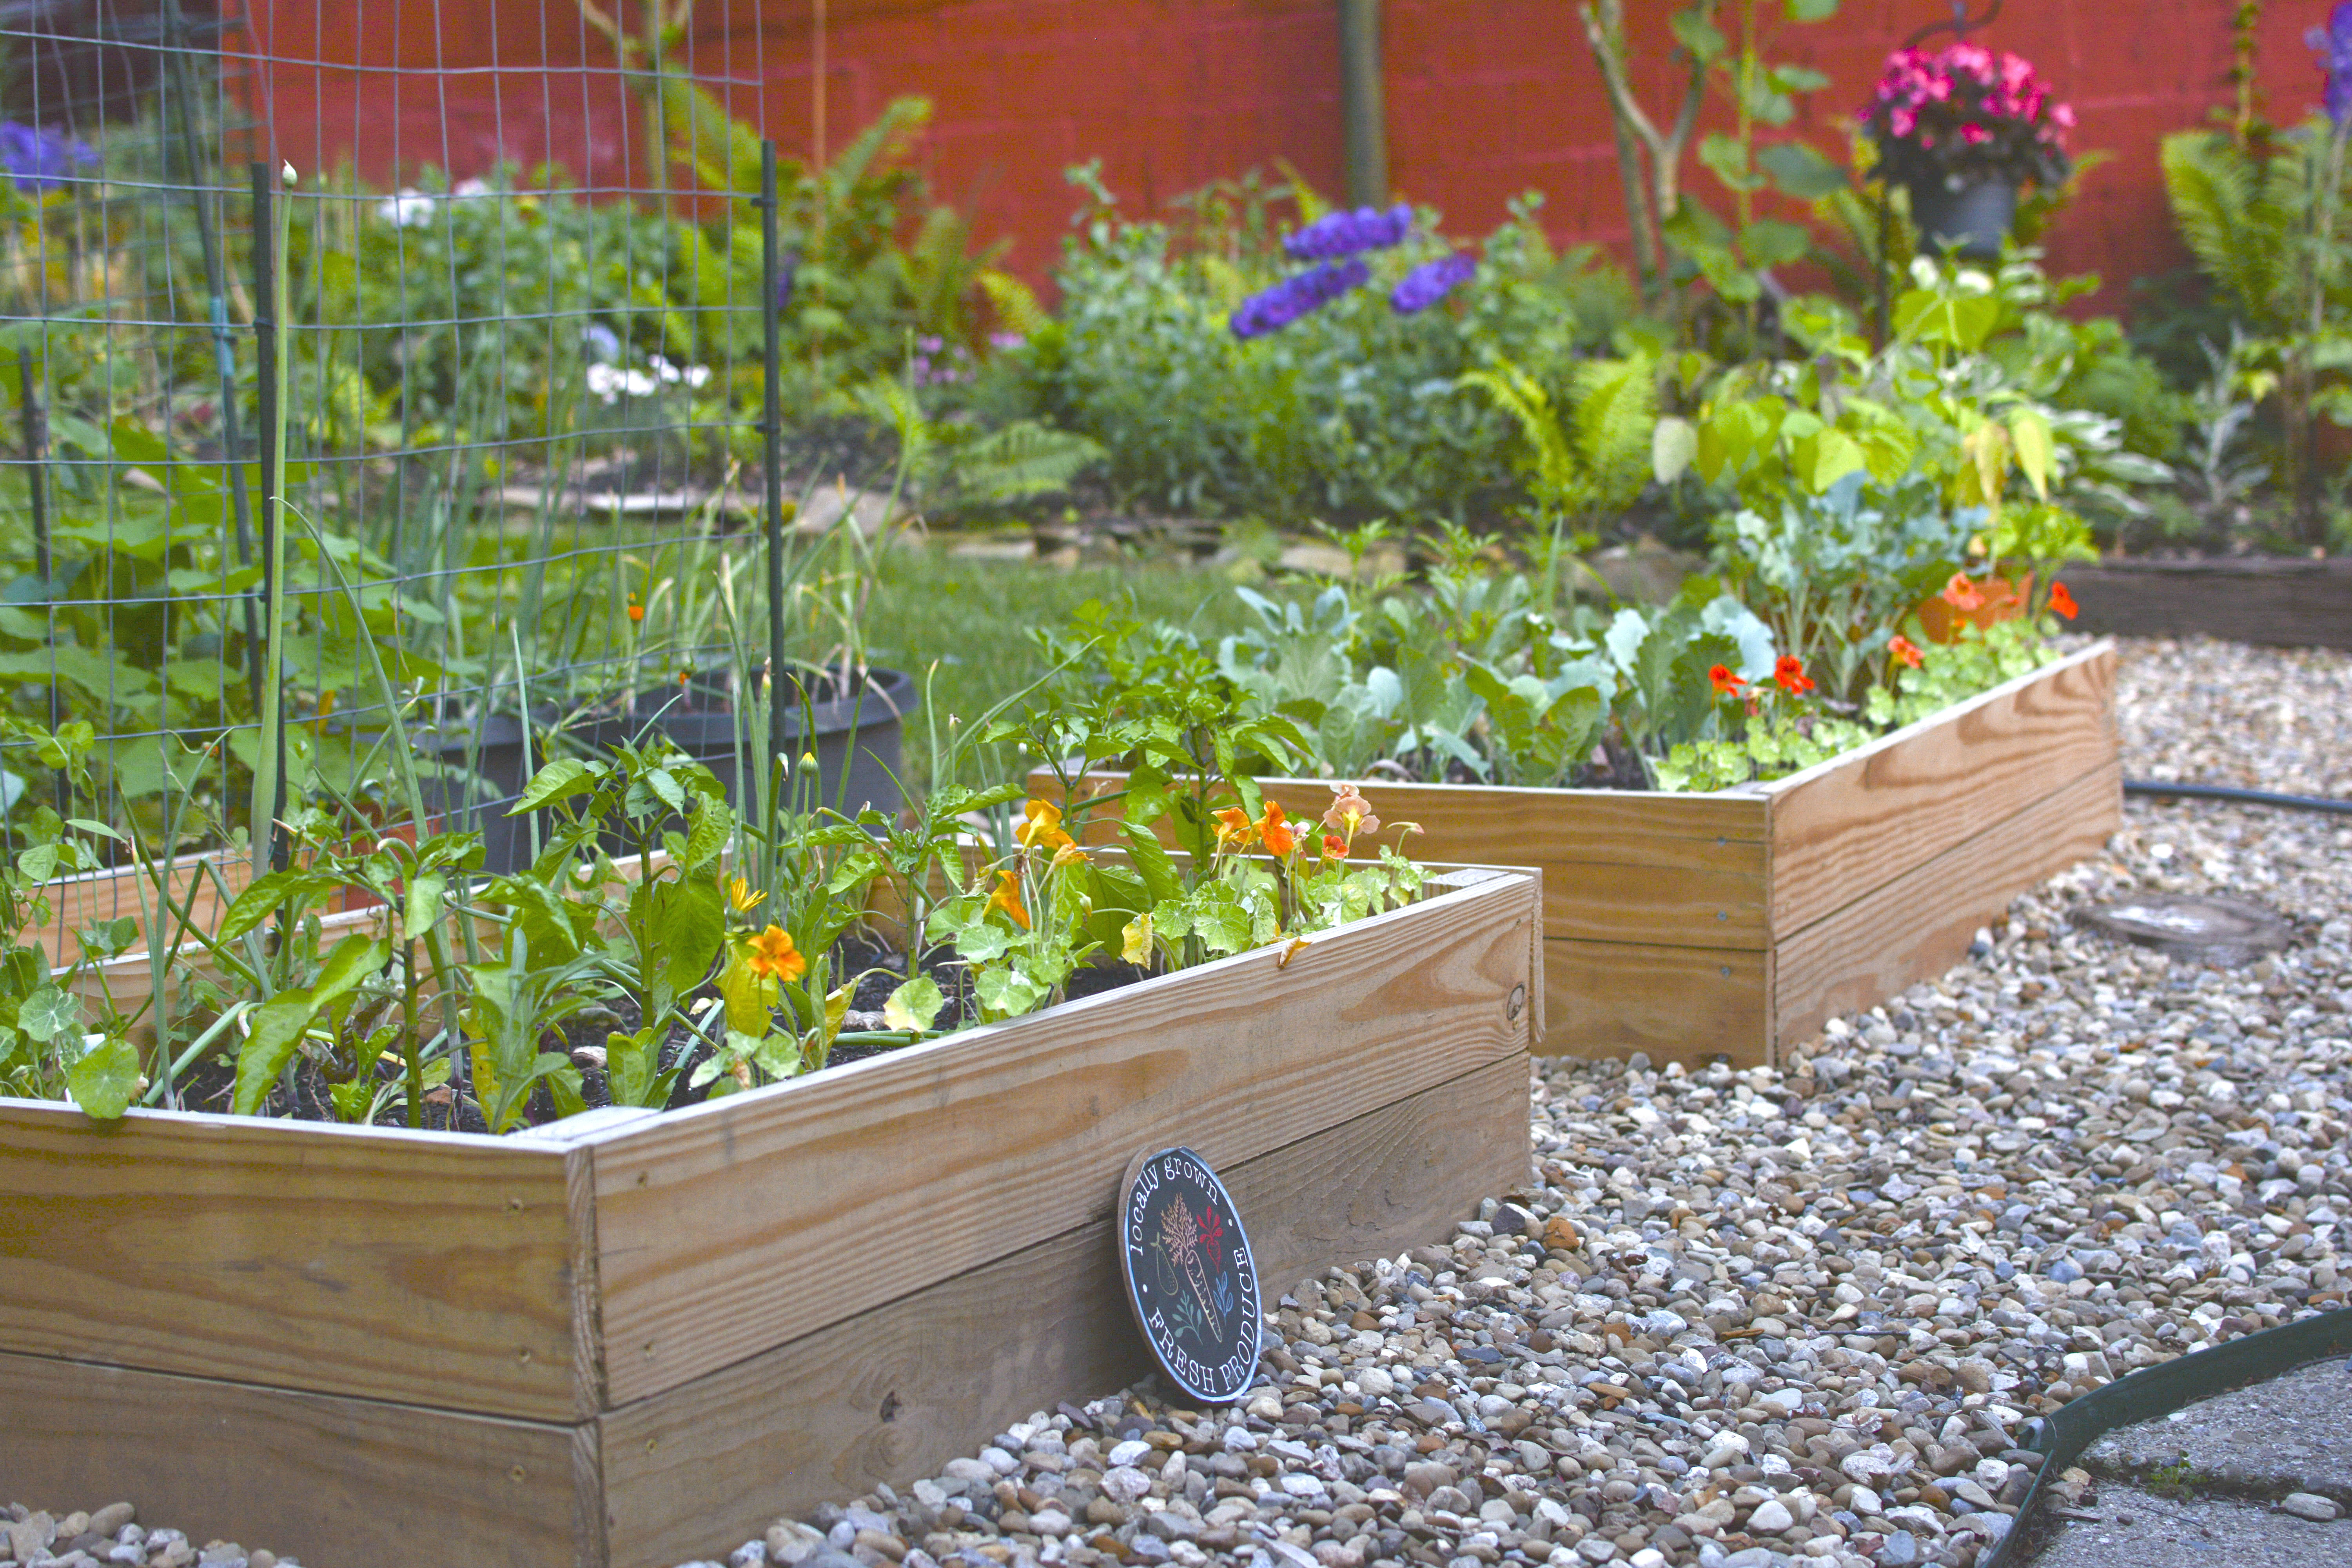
x: 2292, y: 1433
x: 2128, y: 1527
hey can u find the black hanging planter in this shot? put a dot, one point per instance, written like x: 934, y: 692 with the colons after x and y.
x: 1968, y: 220
x: 855, y: 732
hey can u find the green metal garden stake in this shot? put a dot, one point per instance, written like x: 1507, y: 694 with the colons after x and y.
x: 771, y: 446
x: 269, y: 853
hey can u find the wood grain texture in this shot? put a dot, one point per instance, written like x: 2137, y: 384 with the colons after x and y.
x: 1677, y: 1003
x: 428, y: 1267
x: 326, y: 1478
x: 896, y: 1391
x: 2274, y: 603
x: 712, y: 1221
x: 1920, y: 923
x: 76, y: 902
x: 1622, y: 866
x: 1861, y: 820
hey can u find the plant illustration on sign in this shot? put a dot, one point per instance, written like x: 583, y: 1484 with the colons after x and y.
x: 1182, y: 1236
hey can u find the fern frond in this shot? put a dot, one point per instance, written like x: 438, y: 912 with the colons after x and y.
x: 1553, y: 467
x: 1025, y: 459
x: 2229, y: 218
x: 1616, y: 419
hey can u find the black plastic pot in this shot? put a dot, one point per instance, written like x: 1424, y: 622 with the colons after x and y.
x: 1968, y: 220
x: 482, y: 775
x: 857, y: 735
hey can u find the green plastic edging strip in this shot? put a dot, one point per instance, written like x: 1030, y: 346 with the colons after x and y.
x: 2155, y: 1391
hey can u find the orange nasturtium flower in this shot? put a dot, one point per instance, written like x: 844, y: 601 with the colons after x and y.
x: 1905, y: 650
x: 1726, y: 683
x: 741, y: 899
x: 1007, y: 898
x: 2061, y: 601
x: 1234, y: 829
x: 771, y: 953
x: 637, y: 611
x: 1351, y: 813
x: 1790, y: 676
x: 1041, y: 827
x: 1280, y: 839
x: 1334, y: 847
x: 1962, y: 594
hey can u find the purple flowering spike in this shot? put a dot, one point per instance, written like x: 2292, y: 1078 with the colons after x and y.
x: 1271, y: 310
x: 40, y: 160
x: 788, y: 269
x: 1338, y: 234
x: 2333, y: 45
x: 1431, y: 281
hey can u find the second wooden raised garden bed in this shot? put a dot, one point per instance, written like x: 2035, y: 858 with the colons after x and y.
x: 1687, y: 925
x: 633, y: 1339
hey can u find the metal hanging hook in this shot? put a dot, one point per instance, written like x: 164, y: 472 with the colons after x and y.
x: 1961, y: 24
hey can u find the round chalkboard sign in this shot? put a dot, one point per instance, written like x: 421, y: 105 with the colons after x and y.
x: 1190, y: 1276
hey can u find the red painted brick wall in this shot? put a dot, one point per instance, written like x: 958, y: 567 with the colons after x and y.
x: 1486, y: 98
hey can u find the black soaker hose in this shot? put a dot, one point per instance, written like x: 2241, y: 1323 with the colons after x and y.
x: 2241, y: 796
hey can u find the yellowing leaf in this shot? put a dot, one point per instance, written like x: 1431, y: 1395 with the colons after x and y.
x: 914, y: 1004
x: 1135, y: 942
x: 2030, y: 431
x: 751, y: 996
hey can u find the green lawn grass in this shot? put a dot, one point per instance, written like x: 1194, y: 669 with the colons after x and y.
x: 968, y: 626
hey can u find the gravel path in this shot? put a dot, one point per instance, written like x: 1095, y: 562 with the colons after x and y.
x: 1750, y: 1318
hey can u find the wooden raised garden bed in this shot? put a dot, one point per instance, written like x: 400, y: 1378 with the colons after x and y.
x: 633, y: 1339
x: 2274, y: 601
x: 1685, y: 925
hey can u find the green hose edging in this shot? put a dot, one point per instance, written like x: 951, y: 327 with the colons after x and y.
x: 2157, y: 1391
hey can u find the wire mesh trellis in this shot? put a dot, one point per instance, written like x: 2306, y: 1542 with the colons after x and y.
x: 331, y: 492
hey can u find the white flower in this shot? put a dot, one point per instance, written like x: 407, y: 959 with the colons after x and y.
x: 465, y: 189
x: 696, y: 375
x: 609, y: 384
x: 412, y: 208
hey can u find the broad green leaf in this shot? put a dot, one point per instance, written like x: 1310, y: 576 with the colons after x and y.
x: 422, y: 907
x: 663, y: 783
x: 263, y: 896
x: 712, y: 823
x: 914, y: 1004
x: 689, y: 921
x: 1825, y: 458
x: 751, y: 998
x: 1811, y: 10
x: 39, y: 863
x: 1725, y: 157
x: 563, y: 777
x: 277, y: 1025
x: 1006, y: 993
x: 48, y: 1012
x: 1152, y: 863
x: 1800, y: 171
x: 1769, y: 242
x: 1697, y: 35
x: 106, y: 1079
x: 630, y: 1064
